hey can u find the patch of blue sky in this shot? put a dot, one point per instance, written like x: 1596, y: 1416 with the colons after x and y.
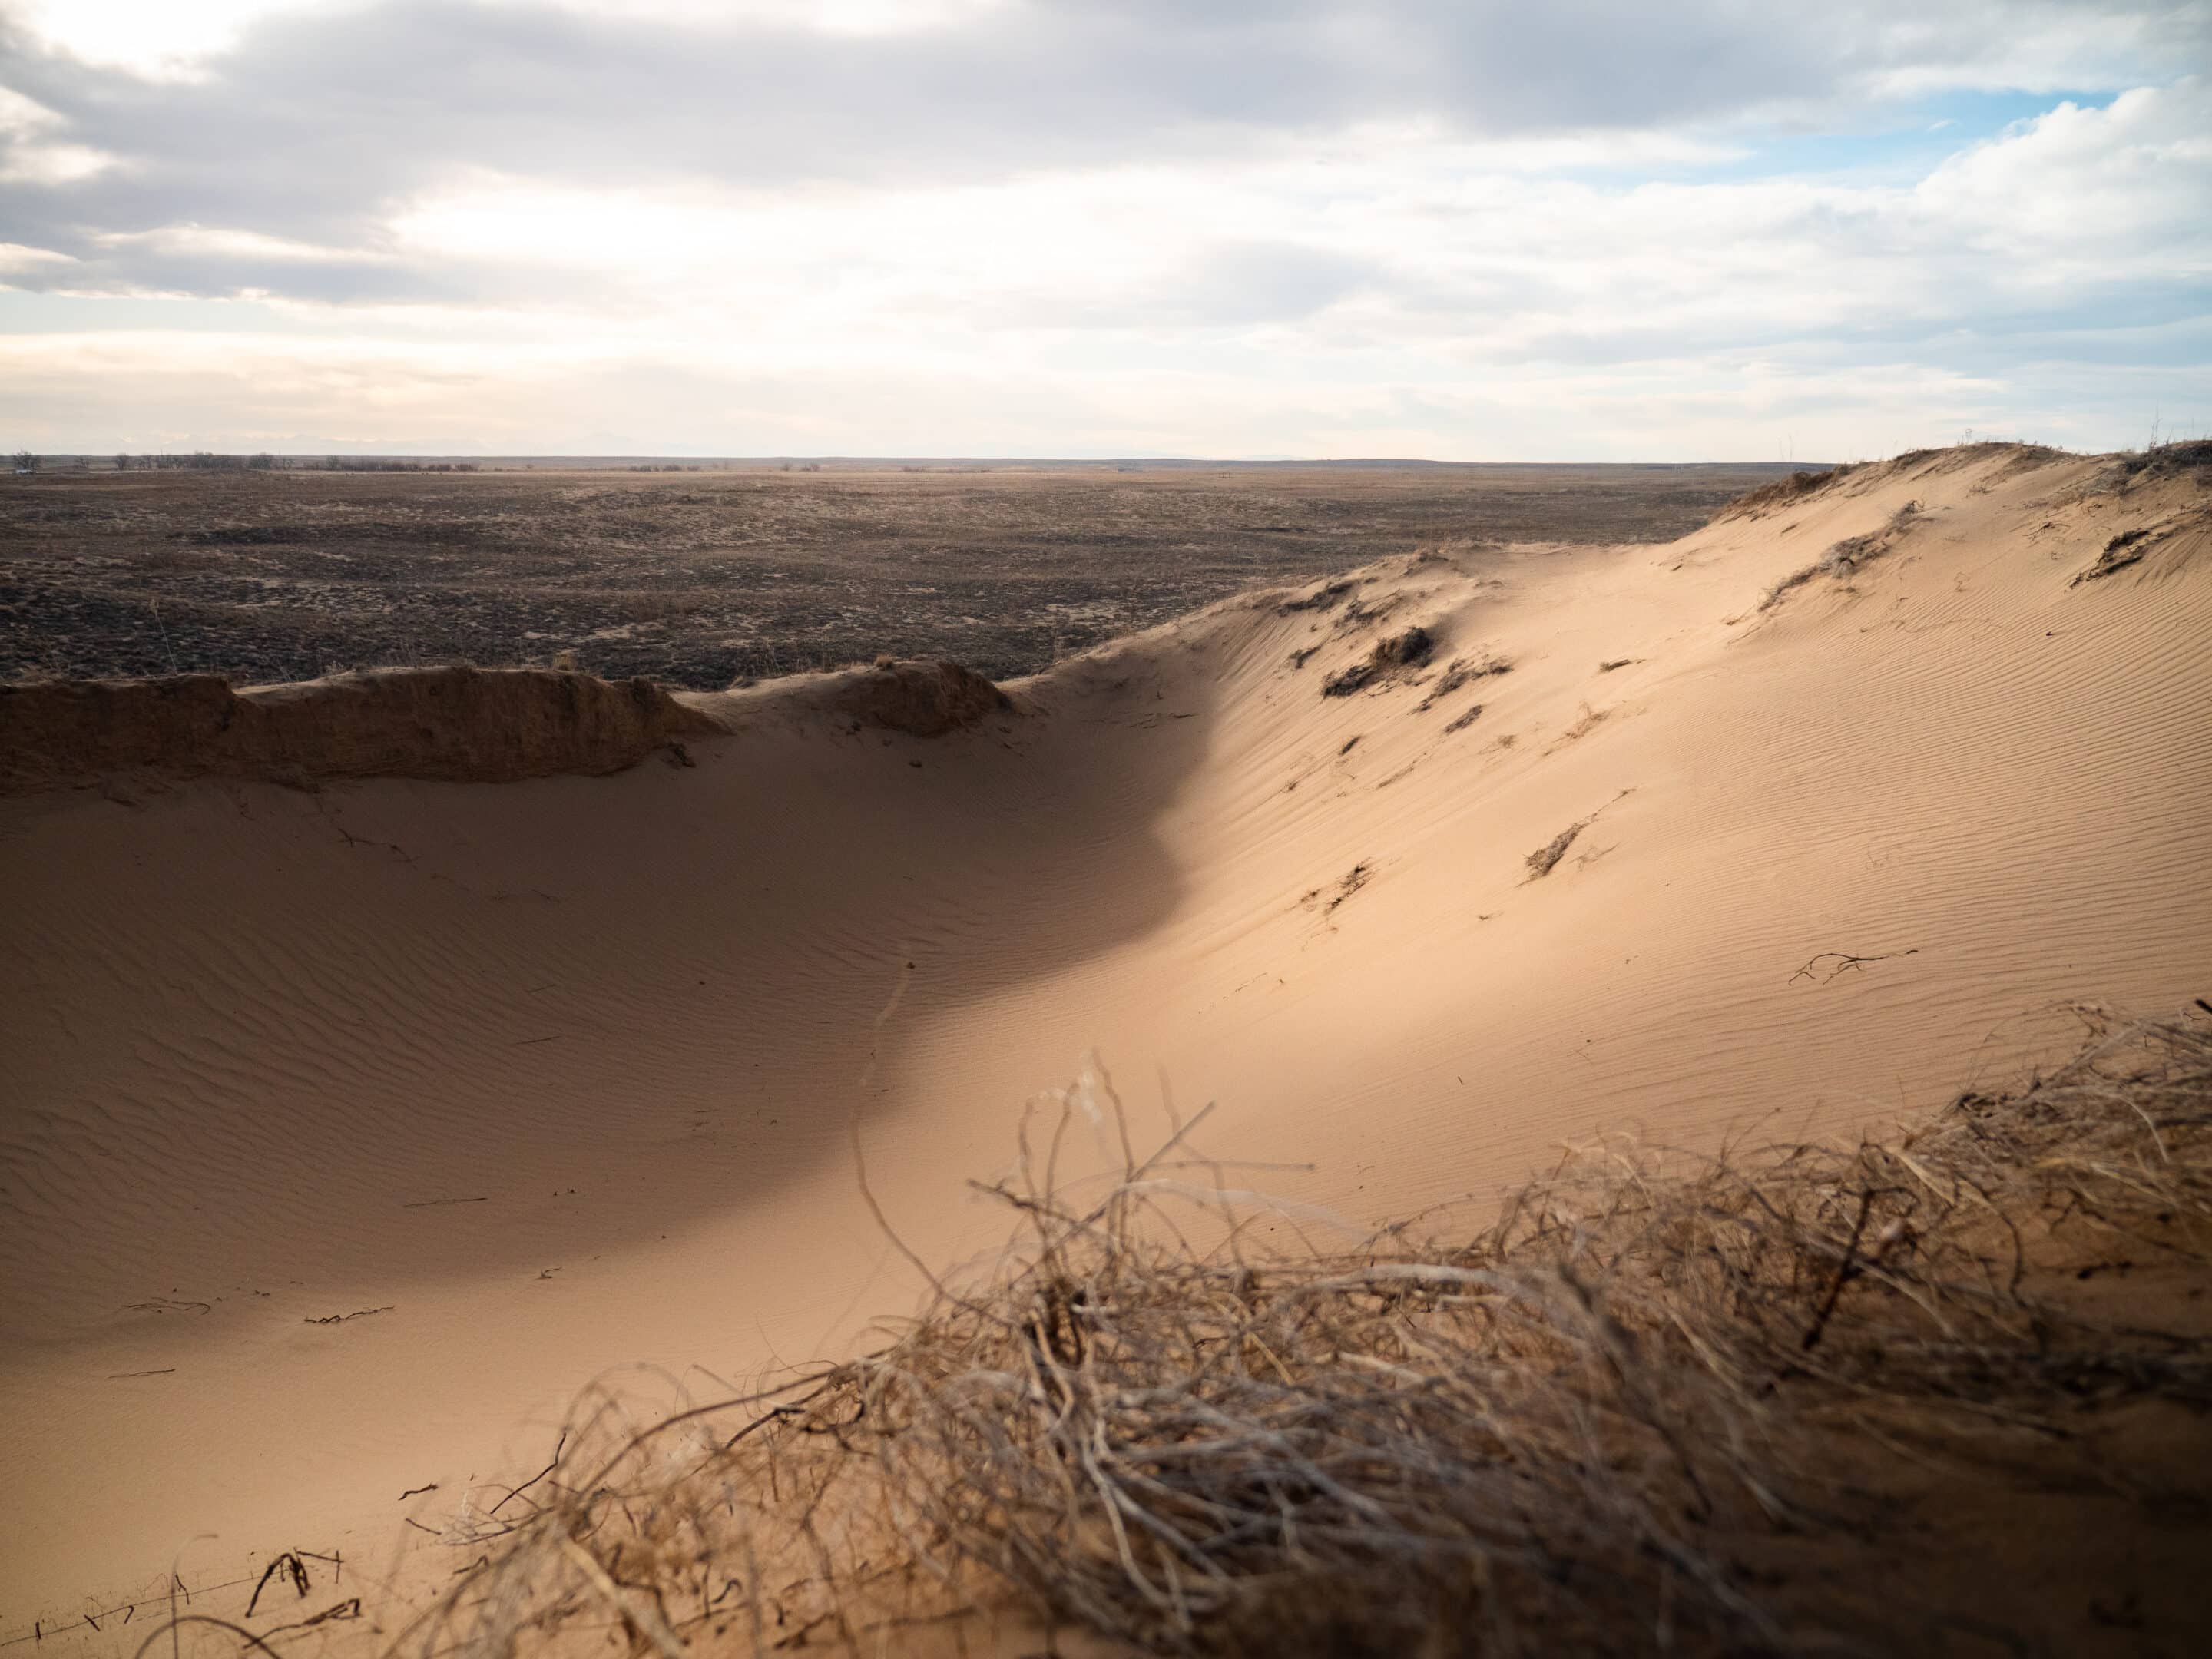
x: 1886, y: 144
x: 1906, y: 144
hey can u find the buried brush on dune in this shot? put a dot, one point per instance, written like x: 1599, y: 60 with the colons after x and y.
x: 1463, y: 671
x: 1390, y: 656
x: 1546, y: 858
x: 1846, y: 557
x: 1542, y: 862
x: 1637, y: 1411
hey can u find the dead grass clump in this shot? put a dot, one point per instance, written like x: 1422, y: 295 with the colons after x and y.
x: 2123, y: 550
x: 1464, y: 670
x: 1359, y: 875
x: 1595, y: 1424
x: 1753, y: 503
x: 2191, y: 458
x: 1542, y: 862
x: 1584, y: 723
x: 1321, y: 598
x: 1391, y: 656
x: 1847, y: 556
x: 1408, y: 650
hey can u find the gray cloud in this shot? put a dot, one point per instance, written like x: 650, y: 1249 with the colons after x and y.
x: 315, y: 129
x: 1310, y: 259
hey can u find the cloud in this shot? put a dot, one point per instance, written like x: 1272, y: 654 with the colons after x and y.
x: 985, y: 221
x: 312, y: 124
x: 14, y: 257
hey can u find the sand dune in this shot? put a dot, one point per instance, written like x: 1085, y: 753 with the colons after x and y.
x: 350, y: 1129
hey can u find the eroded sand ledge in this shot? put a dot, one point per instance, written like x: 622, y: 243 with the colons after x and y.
x: 556, y: 1077
x: 454, y: 724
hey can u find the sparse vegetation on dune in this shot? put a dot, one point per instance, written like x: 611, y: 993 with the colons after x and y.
x: 1542, y: 862
x: 1391, y: 656
x: 1465, y: 671
x: 1754, y: 502
x: 1847, y: 556
x: 1656, y: 1403
x: 2192, y: 456
x: 2159, y: 460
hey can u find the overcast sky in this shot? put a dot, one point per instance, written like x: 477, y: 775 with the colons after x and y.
x: 1465, y: 229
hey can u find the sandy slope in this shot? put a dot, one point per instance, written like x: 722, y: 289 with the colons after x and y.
x: 549, y: 1078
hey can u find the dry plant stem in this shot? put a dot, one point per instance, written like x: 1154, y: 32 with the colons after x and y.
x: 1552, y: 1435
x: 634, y: 1609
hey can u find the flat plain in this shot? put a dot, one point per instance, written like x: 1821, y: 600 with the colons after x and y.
x: 699, y: 578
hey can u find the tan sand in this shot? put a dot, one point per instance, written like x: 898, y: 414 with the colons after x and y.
x: 532, y: 1083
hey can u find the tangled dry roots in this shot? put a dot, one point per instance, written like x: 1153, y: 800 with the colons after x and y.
x: 1571, y: 1432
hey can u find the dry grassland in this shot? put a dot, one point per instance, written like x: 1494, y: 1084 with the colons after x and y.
x: 699, y: 578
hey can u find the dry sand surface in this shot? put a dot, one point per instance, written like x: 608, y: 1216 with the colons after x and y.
x: 351, y: 1130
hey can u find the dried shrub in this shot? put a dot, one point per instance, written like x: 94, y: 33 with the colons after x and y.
x: 2191, y: 458
x: 1542, y: 862
x: 1554, y: 1434
x: 1848, y: 555
x: 2123, y: 550
x: 1464, y: 670
x: 1391, y: 656
x: 1754, y: 503
x: 1321, y: 598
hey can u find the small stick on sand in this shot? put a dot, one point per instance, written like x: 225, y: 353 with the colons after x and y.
x: 294, y: 1570
x: 1844, y: 960
x: 514, y: 1492
x: 340, y: 1319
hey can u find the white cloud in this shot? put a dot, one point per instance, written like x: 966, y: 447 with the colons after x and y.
x: 28, y: 151
x: 1366, y: 269
x: 1440, y: 247
x: 53, y: 164
x: 14, y: 255
x: 202, y: 240
x: 2062, y: 187
x: 157, y: 39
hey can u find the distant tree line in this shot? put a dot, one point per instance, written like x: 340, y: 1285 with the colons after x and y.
x: 375, y: 464
x: 205, y: 460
